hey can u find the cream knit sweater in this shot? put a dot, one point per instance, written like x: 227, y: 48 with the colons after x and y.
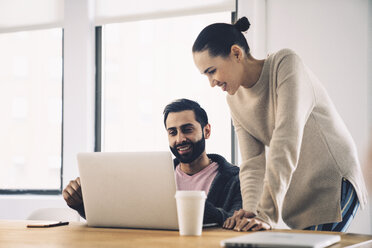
x: 310, y: 148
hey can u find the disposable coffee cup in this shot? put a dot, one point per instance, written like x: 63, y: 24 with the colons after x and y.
x: 190, y: 212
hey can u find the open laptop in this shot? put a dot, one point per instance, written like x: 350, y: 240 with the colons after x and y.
x: 269, y: 239
x: 129, y: 189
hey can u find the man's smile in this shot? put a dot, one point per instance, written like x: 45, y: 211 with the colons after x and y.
x: 183, y: 149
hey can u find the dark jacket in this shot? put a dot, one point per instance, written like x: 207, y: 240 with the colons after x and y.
x: 224, y: 196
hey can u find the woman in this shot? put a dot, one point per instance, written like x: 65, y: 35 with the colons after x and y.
x: 311, y: 174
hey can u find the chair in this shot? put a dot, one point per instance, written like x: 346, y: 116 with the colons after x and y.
x: 55, y: 214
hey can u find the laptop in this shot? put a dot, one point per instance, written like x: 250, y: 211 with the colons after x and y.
x: 281, y: 239
x: 129, y: 189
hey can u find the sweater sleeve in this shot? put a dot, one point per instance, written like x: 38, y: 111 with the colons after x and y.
x: 80, y: 209
x: 81, y: 212
x: 252, y: 168
x: 295, y: 101
x: 232, y: 203
x: 213, y: 214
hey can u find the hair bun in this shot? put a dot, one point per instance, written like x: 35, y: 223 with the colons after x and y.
x: 242, y: 24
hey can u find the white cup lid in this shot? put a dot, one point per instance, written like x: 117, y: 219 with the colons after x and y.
x: 191, y: 193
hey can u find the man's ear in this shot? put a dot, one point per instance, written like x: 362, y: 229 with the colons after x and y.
x: 236, y: 52
x: 207, y: 131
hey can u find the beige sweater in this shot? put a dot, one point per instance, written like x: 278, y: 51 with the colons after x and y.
x: 310, y: 148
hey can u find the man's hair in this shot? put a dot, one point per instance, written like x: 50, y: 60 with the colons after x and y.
x: 186, y: 104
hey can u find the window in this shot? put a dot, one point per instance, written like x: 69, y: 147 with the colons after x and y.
x: 31, y: 107
x: 146, y: 65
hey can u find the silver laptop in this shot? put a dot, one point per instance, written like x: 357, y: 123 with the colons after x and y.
x: 282, y: 239
x: 129, y: 189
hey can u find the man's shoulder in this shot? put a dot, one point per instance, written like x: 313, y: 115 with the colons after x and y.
x: 223, y: 165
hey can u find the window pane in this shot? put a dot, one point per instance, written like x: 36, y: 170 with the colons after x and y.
x: 31, y: 108
x: 147, y: 64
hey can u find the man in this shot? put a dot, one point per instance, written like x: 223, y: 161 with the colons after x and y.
x: 187, y: 127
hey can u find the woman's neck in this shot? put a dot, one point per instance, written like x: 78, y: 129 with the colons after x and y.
x: 253, y: 68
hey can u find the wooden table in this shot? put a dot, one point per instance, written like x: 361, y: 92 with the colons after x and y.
x: 16, y: 234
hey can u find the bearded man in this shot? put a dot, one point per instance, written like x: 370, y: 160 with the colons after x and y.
x: 186, y: 123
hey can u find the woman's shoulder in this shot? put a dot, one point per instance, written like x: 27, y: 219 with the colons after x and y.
x: 281, y: 54
x: 285, y: 58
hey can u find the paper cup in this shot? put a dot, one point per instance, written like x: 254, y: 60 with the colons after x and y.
x: 190, y: 212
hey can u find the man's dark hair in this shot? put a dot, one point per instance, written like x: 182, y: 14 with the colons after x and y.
x: 186, y: 104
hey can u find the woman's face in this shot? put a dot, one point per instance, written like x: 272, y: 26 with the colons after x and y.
x: 223, y: 72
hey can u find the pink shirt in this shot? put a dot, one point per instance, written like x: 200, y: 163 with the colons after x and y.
x: 199, y: 181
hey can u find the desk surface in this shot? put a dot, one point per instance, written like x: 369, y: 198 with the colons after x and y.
x: 15, y: 234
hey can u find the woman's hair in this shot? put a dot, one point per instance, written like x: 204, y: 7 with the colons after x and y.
x: 218, y: 38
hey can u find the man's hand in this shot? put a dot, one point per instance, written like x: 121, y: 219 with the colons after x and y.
x: 237, y: 217
x: 72, y: 194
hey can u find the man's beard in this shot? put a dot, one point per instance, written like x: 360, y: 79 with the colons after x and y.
x: 197, y: 149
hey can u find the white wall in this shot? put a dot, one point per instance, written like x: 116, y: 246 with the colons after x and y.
x: 331, y: 36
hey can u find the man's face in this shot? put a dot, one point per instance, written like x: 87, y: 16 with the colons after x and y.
x: 185, y: 135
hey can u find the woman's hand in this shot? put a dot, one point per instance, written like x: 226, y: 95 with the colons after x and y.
x: 244, y: 221
x: 238, y: 215
x: 248, y: 224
